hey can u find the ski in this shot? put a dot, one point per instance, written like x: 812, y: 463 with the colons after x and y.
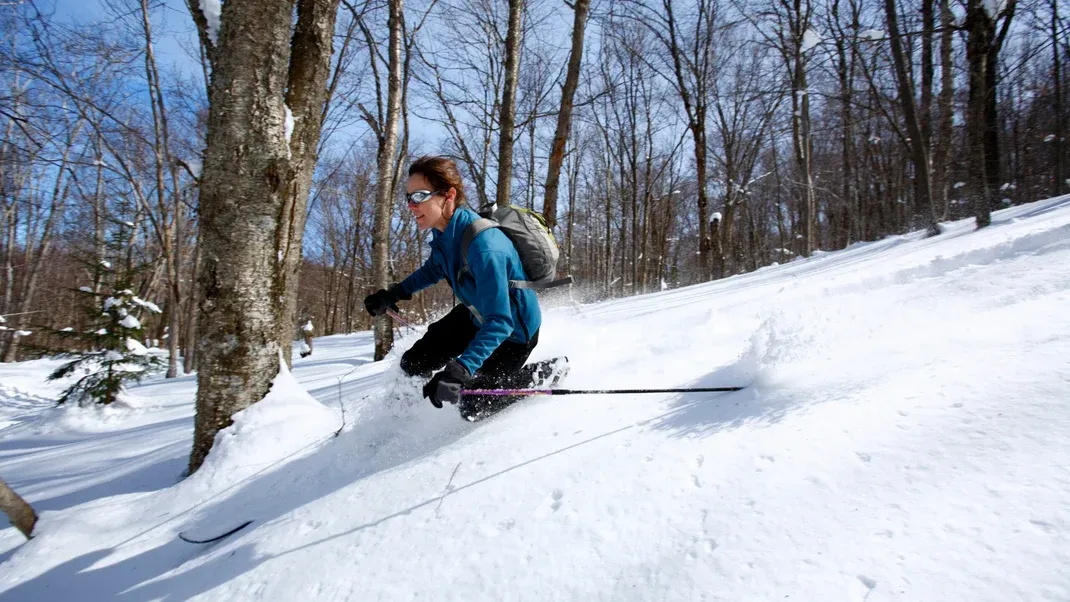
x: 189, y: 539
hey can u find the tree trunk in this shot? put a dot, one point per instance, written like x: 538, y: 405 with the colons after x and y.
x: 383, y: 331
x: 306, y: 96
x: 564, y: 116
x: 253, y: 196
x: 695, y: 108
x: 925, y: 108
x: 991, y: 123
x: 979, y: 32
x: 803, y: 145
x: 1058, y: 185
x: 19, y: 512
x: 508, y: 109
x: 845, y: 73
x: 531, y: 160
x: 942, y: 148
x: 169, y: 243
x: 918, y: 141
x: 189, y: 359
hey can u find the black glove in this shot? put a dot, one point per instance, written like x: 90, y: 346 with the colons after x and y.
x: 447, y: 384
x: 383, y: 299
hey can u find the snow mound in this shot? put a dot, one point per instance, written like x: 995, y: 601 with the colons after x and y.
x: 285, y: 423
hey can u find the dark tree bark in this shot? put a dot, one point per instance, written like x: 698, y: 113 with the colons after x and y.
x: 1058, y: 184
x: 918, y: 143
x: 925, y: 106
x: 983, y: 44
x: 254, y: 192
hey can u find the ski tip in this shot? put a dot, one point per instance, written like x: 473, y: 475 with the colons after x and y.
x: 191, y: 539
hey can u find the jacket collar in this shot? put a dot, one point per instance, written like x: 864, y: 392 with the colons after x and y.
x: 451, y: 236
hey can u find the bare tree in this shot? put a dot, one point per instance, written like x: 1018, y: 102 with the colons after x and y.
x: 1059, y: 131
x: 465, y: 79
x: 564, y: 115
x: 170, y: 210
x: 917, y: 140
x: 692, y: 64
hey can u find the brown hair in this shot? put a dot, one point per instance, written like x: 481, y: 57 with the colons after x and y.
x: 441, y: 173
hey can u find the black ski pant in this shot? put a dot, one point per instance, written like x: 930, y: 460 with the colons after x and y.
x: 449, y: 337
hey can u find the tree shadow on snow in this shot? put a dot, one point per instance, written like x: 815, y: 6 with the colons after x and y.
x: 129, y: 580
x: 127, y: 473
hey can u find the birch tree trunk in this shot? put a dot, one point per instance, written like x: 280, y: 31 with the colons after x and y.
x: 508, y: 109
x: 942, y: 147
x: 19, y: 512
x: 265, y: 112
x: 384, y: 334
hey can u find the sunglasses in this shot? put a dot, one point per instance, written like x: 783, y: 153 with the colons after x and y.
x: 419, y: 196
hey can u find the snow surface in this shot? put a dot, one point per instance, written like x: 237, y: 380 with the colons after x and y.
x: 905, y: 436
x: 288, y: 127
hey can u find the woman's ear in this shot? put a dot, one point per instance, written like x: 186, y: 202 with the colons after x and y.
x: 451, y: 203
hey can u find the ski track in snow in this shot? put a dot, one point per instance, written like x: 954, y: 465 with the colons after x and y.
x: 906, y: 437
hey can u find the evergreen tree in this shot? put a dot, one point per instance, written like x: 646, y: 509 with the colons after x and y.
x: 112, y: 354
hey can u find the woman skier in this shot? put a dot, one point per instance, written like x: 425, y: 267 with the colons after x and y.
x: 485, y: 340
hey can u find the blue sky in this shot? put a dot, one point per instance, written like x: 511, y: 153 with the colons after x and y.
x: 171, y: 23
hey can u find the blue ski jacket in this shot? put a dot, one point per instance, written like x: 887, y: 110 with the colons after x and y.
x: 502, y: 313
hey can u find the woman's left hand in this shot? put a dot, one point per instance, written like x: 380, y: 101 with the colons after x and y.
x: 446, y: 385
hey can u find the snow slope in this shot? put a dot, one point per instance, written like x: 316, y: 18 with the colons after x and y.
x: 906, y: 437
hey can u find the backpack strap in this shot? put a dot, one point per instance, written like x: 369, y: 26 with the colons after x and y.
x: 470, y: 233
x: 540, y: 285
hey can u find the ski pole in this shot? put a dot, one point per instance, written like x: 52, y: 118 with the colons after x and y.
x: 527, y: 392
x: 403, y: 321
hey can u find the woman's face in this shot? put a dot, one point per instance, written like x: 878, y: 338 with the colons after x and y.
x: 436, y: 211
